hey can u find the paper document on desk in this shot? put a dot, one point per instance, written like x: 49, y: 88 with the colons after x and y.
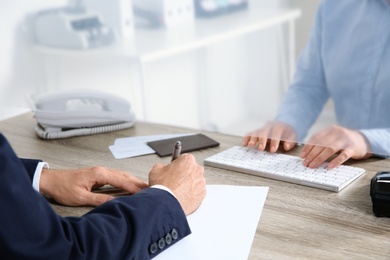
x: 135, y: 146
x: 224, y: 225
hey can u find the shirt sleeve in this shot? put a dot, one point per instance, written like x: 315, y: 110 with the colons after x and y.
x: 162, y: 187
x: 379, y: 140
x: 307, y: 94
x: 37, y: 174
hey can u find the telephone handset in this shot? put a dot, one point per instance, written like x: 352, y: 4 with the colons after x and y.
x: 80, y: 112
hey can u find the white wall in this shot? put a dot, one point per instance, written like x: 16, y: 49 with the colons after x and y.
x: 17, y: 70
x: 305, y: 23
x: 242, y: 76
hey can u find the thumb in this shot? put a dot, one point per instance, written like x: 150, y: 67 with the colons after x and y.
x: 96, y: 199
x: 288, y: 145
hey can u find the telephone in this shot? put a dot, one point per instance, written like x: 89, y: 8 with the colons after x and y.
x: 80, y: 112
x: 67, y: 28
x: 210, y: 8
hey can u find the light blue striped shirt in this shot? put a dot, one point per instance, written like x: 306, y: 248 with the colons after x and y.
x: 347, y: 59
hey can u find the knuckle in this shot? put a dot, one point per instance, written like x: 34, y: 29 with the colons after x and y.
x: 98, y: 169
x: 317, y: 140
x: 333, y: 149
x: 157, y: 165
x: 204, y: 193
x: 188, y: 156
x: 346, y: 154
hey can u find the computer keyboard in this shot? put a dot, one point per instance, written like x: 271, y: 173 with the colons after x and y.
x: 284, y: 167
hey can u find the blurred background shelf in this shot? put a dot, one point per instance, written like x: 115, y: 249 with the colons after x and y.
x: 151, y: 46
x: 225, y: 73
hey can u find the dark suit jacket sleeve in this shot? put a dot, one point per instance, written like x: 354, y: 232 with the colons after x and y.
x: 30, y: 165
x: 129, y: 227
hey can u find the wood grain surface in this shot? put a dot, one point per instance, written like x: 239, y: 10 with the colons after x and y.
x: 297, y: 222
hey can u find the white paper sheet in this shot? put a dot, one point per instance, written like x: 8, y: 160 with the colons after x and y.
x: 224, y: 225
x: 136, y: 146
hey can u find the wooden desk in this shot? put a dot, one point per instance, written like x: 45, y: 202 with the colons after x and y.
x: 297, y: 222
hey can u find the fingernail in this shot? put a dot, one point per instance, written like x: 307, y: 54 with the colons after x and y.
x: 313, y: 165
x: 302, y: 154
x: 305, y: 162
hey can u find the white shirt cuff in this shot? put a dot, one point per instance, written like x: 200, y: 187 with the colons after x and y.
x: 37, y: 174
x: 162, y: 187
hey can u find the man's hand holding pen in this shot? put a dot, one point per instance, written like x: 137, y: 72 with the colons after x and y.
x: 184, y: 177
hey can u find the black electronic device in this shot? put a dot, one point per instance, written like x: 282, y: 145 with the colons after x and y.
x: 189, y: 143
x: 380, y: 194
x: 209, y: 8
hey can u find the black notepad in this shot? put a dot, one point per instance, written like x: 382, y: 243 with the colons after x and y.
x: 189, y: 143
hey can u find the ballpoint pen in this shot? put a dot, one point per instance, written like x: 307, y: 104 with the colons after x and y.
x: 176, y: 150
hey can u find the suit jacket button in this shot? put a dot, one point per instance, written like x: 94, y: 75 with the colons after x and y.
x: 161, y: 243
x: 153, y: 248
x: 174, y: 234
x: 168, y: 239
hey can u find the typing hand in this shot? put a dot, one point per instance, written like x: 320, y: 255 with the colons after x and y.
x: 73, y: 187
x: 274, y: 133
x: 184, y: 177
x: 334, y: 140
